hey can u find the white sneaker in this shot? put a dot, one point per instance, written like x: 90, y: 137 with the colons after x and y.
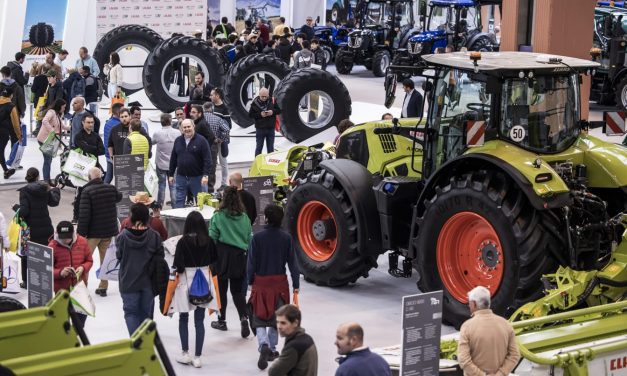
x: 184, y: 358
x: 196, y: 362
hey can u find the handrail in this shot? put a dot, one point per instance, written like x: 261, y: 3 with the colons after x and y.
x: 570, y: 314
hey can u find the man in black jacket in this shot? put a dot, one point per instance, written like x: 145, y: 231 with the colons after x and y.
x: 199, y: 80
x: 200, y: 124
x: 412, y: 104
x: 250, y: 204
x: 264, y: 111
x: 18, y: 91
x: 319, y: 55
x: 308, y: 28
x: 299, y: 355
x: 17, y: 73
x: 98, y: 216
x: 191, y: 161
x: 87, y: 140
x: 119, y: 133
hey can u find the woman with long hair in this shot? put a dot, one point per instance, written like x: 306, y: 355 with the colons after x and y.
x: 35, y: 197
x: 195, y: 250
x: 231, y: 230
x: 113, y: 70
x: 52, y: 122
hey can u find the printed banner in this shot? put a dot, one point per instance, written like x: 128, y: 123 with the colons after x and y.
x: 251, y: 10
x: 163, y: 16
x: 339, y: 11
x: 213, y: 13
x: 43, y: 29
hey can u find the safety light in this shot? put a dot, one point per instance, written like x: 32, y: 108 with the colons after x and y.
x: 475, y: 56
x: 530, y: 75
x: 521, y: 74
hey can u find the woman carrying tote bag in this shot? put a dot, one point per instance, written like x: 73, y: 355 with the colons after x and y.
x: 52, y: 124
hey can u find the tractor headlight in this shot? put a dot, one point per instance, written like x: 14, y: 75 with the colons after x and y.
x: 355, y: 41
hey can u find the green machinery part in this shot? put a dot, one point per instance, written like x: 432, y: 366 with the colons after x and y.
x: 38, y: 330
x: 42, y: 341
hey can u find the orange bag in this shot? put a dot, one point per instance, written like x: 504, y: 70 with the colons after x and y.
x: 119, y: 97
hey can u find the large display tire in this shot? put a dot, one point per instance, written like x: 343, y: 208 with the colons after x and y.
x: 380, y: 63
x: 483, y: 44
x: 341, y: 64
x: 41, y: 35
x: 508, y: 249
x: 240, y: 73
x: 289, y: 95
x: 331, y: 262
x: 8, y: 304
x: 123, y: 36
x: 169, y: 50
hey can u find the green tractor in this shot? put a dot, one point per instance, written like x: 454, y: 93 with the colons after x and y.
x: 498, y: 186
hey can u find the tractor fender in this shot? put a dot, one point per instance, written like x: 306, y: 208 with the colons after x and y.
x: 618, y: 76
x: 481, y: 35
x: 357, y: 182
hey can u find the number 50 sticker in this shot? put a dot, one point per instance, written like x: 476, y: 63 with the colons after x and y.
x: 517, y: 133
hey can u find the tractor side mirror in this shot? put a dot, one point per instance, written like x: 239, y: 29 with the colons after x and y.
x: 317, y: 20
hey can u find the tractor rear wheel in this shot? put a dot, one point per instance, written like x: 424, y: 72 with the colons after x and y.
x: 380, y: 63
x: 621, y: 94
x: 341, y: 64
x: 322, y: 221
x: 479, y: 229
x: 8, y: 304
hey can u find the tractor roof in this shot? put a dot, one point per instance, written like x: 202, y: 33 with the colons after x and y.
x: 508, y: 61
x: 457, y: 3
x: 609, y: 10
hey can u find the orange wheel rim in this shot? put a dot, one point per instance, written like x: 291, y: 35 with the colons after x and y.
x: 317, y: 231
x: 469, y: 254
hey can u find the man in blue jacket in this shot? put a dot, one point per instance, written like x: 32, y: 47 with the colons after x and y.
x: 112, y: 122
x: 357, y: 359
x: 191, y: 160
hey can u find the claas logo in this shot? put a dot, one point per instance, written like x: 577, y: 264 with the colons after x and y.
x: 618, y: 363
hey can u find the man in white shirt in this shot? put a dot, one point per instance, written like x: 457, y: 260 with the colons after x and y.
x: 60, y: 61
x: 412, y: 104
x: 164, y: 139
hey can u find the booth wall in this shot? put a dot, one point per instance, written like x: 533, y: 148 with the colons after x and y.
x: 80, y: 28
x: 12, y: 15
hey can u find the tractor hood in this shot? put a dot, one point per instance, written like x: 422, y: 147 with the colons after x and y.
x: 277, y: 164
x: 605, y: 163
x: 427, y: 36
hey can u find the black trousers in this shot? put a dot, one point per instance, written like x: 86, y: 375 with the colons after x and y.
x: 239, y: 297
x: 5, y: 137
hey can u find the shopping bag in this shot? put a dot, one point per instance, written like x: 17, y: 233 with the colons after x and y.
x: 17, y: 150
x: 78, y: 164
x: 215, y: 304
x: 151, y: 180
x: 120, y: 97
x: 14, y: 231
x: 110, y: 267
x: 10, y: 270
x: 81, y: 300
x: 50, y: 147
x: 199, y: 292
x: 40, y: 108
x: 168, y: 308
x: 22, y: 247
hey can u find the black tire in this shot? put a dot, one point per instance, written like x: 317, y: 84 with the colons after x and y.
x: 122, y: 37
x: 523, y: 232
x: 336, y: 14
x: 8, y: 304
x: 346, y: 264
x: 41, y: 35
x: 235, y: 86
x: 328, y: 54
x: 620, y: 94
x: 291, y: 90
x: 341, y: 64
x: 483, y: 44
x: 157, y: 65
x: 380, y: 63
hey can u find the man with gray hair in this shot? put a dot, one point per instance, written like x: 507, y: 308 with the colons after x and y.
x: 487, y: 343
x: 164, y: 139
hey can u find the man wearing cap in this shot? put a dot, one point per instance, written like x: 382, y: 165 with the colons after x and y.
x: 250, y: 48
x: 71, y: 260
x: 153, y: 222
x: 191, y: 160
x: 98, y: 216
x: 55, y: 89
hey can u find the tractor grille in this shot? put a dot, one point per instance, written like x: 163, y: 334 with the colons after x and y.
x: 414, y: 48
x: 388, y: 143
x: 354, y: 41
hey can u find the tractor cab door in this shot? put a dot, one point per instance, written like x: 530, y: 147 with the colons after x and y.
x: 458, y: 118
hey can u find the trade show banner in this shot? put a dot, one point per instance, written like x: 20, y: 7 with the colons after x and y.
x: 163, y: 16
x: 339, y: 11
x: 213, y: 13
x: 251, y: 10
x: 40, y: 275
x: 43, y: 29
x: 422, y: 325
x: 262, y: 189
x: 128, y: 171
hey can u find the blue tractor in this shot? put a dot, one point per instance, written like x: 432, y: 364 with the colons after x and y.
x: 382, y: 26
x: 331, y: 38
x: 455, y: 23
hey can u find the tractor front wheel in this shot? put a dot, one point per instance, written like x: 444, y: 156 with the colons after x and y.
x: 322, y: 222
x: 479, y: 229
x: 621, y: 94
x: 343, y: 61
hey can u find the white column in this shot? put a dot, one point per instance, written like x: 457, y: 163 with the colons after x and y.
x: 12, y: 17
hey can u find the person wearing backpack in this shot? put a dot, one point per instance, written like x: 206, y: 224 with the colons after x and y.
x: 195, y: 251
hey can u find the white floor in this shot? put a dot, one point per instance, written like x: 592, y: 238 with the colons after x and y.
x: 374, y: 302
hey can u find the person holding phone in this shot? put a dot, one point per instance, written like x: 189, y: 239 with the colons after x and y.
x: 263, y: 110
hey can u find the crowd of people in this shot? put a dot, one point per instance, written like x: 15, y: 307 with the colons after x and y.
x: 187, y: 150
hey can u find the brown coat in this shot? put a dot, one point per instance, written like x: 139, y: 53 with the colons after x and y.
x: 487, y: 345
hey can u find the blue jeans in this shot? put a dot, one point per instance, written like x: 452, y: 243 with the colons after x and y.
x: 45, y: 170
x: 138, y: 306
x: 163, y: 178
x: 185, y: 183
x: 268, y: 136
x: 267, y: 336
x: 199, y: 317
x: 109, y: 174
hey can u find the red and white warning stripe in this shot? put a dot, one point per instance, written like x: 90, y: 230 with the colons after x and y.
x: 615, y: 123
x: 475, y: 133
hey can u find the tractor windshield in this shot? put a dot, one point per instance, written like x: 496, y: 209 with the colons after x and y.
x: 541, y: 113
x: 374, y: 15
x: 441, y: 18
x: 444, y: 18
